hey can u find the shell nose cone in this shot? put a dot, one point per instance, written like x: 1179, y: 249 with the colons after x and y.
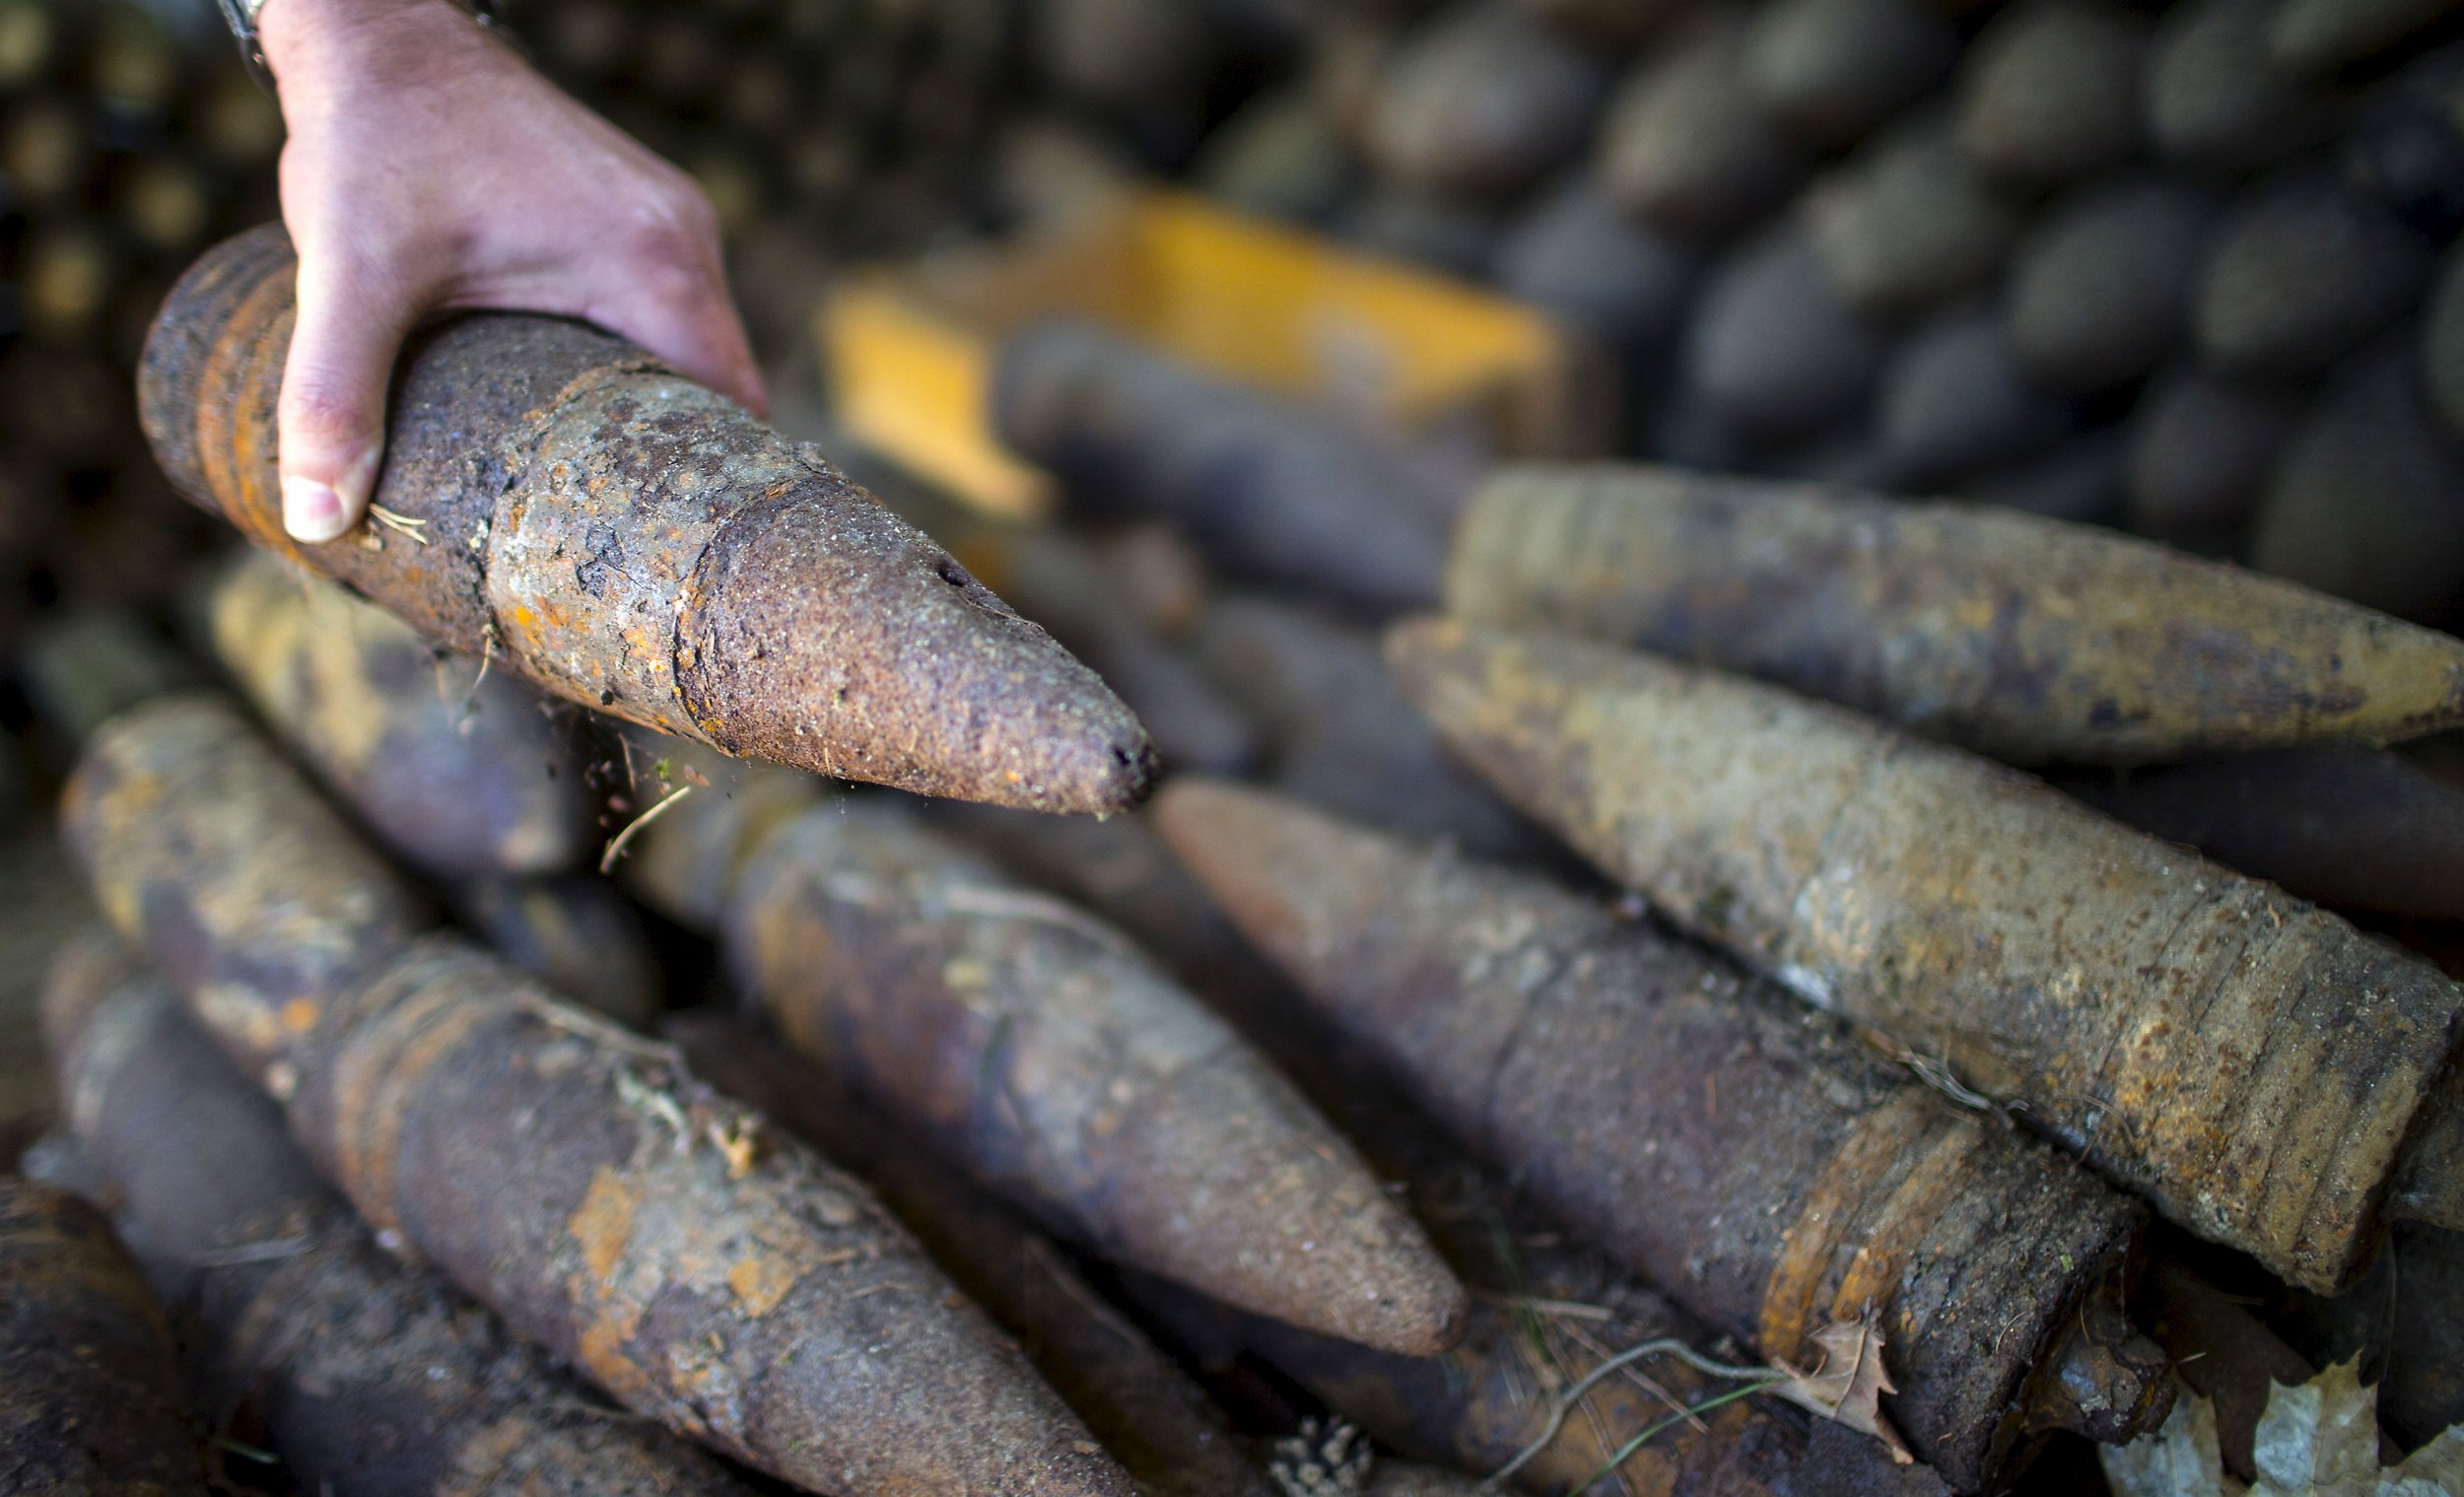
x: 826, y: 632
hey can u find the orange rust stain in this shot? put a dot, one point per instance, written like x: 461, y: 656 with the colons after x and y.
x: 238, y: 457
x: 602, y: 1225
x: 1872, y: 1276
x: 300, y: 1015
x: 760, y: 1282
x: 479, y: 1464
x: 600, y: 1350
x: 1831, y: 1214
x: 377, y: 1078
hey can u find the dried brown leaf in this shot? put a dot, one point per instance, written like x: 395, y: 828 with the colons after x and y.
x: 1848, y: 1383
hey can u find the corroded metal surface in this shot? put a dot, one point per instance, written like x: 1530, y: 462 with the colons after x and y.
x: 226, y: 867
x: 576, y: 1180
x: 1037, y: 1045
x: 372, y: 1377
x: 701, y: 1268
x: 1688, y: 1117
x: 1467, y: 1406
x: 89, y: 1397
x: 2251, y: 1063
x: 630, y: 540
x: 2024, y: 638
x: 1151, y: 1416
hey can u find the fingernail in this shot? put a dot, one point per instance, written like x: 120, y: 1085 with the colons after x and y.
x: 312, y: 511
x: 359, y: 485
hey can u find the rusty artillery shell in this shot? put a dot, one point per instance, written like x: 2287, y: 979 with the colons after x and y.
x: 374, y: 1378
x: 88, y: 1396
x: 2320, y: 36
x: 1955, y: 402
x: 2250, y: 1063
x: 2050, y: 92
x: 1906, y: 223
x: 627, y: 539
x: 2029, y: 639
x: 460, y: 775
x: 2216, y: 101
x: 1833, y: 70
x: 1337, y: 731
x: 577, y: 935
x: 2100, y: 290
x: 575, y: 1180
x: 1035, y: 1044
x: 1774, y: 350
x: 1149, y: 1415
x: 1484, y: 100
x: 2355, y: 828
x: 2303, y: 271
x: 1266, y: 486
x: 1688, y: 1119
x: 2201, y: 451
x: 704, y: 1272
x: 2361, y: 504
x: 1685, y: 148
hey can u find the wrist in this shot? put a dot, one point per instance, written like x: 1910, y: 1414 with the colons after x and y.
x: 303, y: 37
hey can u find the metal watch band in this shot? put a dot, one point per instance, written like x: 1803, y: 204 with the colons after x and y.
x: 241, y: 17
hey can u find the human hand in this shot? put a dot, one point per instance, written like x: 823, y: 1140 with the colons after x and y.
x: 430, y: 169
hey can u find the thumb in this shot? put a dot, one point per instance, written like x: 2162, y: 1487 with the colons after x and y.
x: 330, y: 423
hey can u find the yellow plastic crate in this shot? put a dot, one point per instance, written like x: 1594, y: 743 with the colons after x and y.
x: 909, y: 349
